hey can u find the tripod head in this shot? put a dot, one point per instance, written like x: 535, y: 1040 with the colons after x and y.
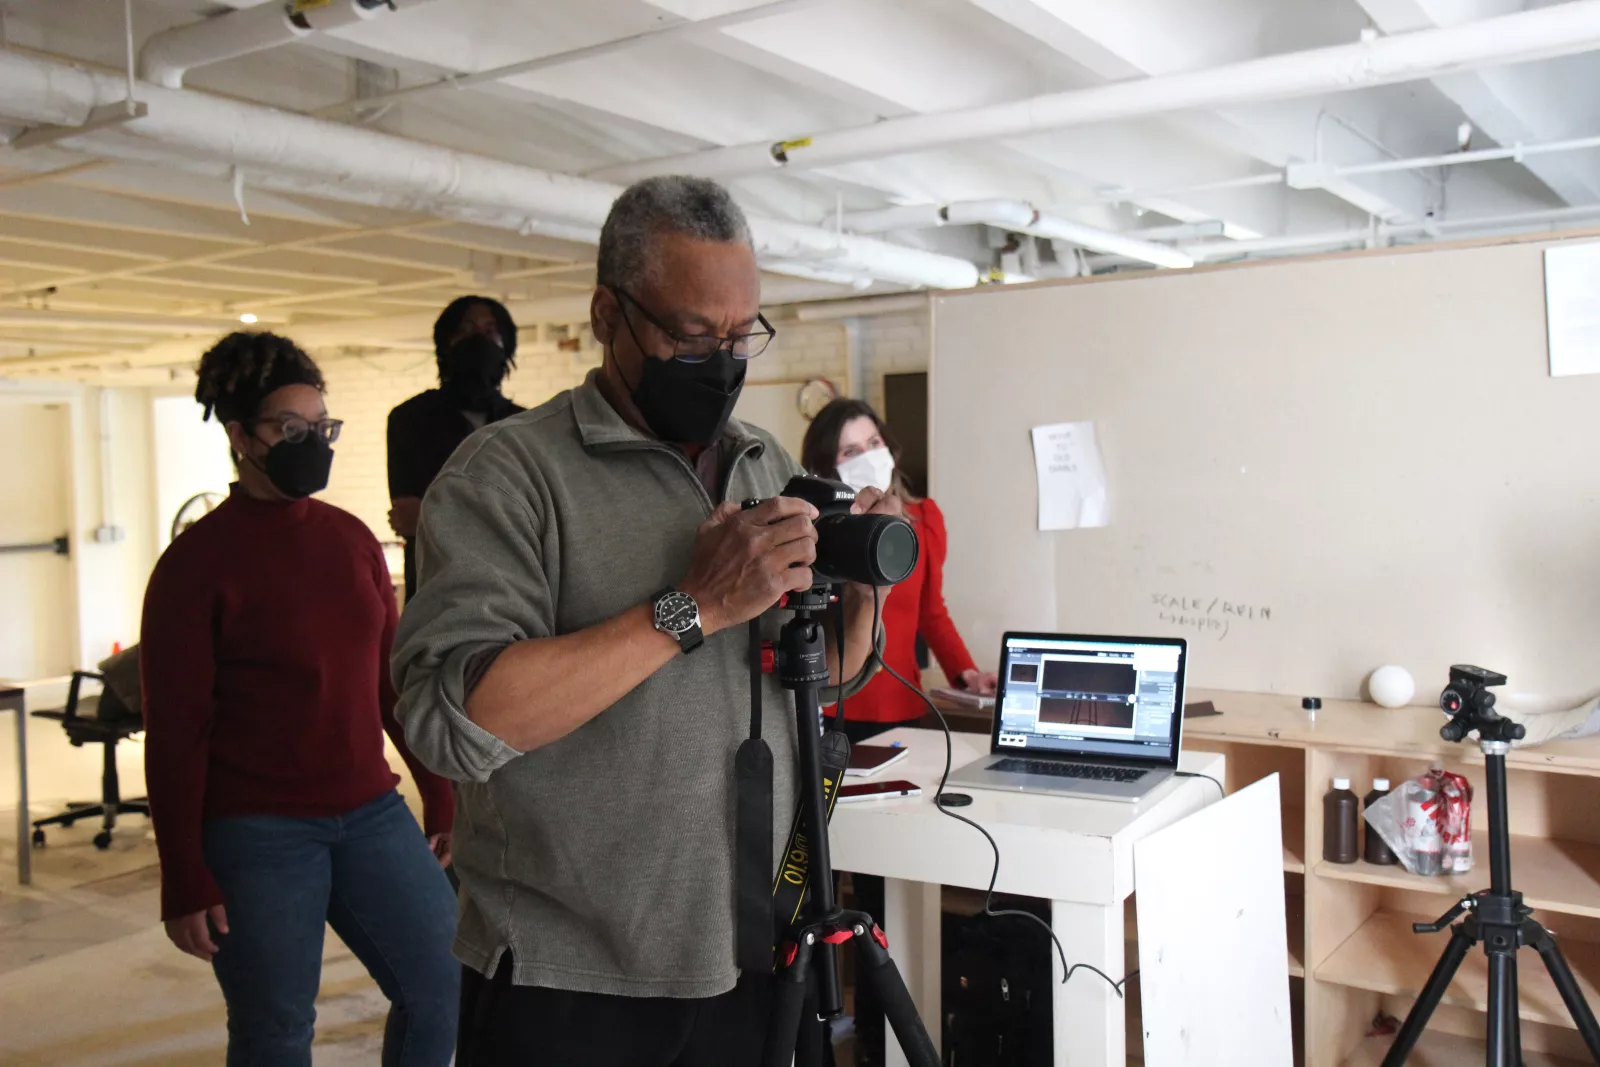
x: 802, y: 659
x: 1470, y: 705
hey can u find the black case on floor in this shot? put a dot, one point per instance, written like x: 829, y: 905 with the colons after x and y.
x: 997, y: 1006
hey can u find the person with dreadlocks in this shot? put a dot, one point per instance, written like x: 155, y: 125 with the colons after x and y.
x: 475, y: 344
x: 265, y: 652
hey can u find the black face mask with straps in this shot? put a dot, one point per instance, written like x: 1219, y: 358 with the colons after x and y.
x: 689, y: 403
x: 471, y: 372
x: 298, y: 468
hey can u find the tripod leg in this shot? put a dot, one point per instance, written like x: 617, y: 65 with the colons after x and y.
x: 898, y: 1007
x: 1438, y: 982
x: 788, y: 1004
x: 1561, y: 974
x: 1502, y: 1010
x: 1514, y: 1030
x: 812, y: 1041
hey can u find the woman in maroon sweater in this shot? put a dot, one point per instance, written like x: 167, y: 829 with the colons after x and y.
x: 264, y: 656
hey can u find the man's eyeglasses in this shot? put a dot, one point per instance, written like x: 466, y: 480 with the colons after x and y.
x: 697, y: 348
x: 295, y: 429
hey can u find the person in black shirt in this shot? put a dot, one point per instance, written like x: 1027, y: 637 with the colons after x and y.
x: 475, y: 342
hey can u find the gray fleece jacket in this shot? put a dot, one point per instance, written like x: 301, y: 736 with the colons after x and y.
x: 602, y: 861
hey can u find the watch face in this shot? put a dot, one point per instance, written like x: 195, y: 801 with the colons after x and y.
x: 677, y: 613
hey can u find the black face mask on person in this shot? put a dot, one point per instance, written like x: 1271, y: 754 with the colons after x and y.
x: 689, y: 403
x: 298, y: 468
x: 470, y: 372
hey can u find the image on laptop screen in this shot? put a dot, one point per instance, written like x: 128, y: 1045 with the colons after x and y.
x: 1082, y: 695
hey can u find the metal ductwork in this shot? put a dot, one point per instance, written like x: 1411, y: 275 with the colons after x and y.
x: 167, y: 56
x: 277, y: 149
x: 1545, y: 33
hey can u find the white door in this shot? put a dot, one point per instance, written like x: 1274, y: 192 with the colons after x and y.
x: 36, y: 592
x: 192, y: 462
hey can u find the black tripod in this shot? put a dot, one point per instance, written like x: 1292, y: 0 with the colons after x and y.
x: 1498, y: 917
x: 809, y: 954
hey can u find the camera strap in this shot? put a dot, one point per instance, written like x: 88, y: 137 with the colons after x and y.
x: 792, y: 885
x: 752, y: 856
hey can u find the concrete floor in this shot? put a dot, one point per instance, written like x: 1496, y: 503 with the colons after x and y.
x: 89, y: 979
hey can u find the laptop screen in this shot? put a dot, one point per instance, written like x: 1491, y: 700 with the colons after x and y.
x: 1116, y: 697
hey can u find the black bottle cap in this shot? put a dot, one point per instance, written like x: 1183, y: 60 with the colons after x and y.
x: 1311, y: 703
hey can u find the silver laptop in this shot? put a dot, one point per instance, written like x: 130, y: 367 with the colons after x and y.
x: 1084, y: 716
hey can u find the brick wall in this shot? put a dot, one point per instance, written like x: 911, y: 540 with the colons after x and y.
x: 885, y: 344
x: 362, y: 390
x: 804, y: 350
x: 891, y: 344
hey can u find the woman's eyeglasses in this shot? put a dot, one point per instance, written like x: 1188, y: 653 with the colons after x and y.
x: 295, y: 429
x: 697, y: 348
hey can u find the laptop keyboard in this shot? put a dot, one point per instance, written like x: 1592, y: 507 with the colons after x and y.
x: 1095, y: 772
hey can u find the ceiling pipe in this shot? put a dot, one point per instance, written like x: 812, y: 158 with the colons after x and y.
x: 1116, y: 244
x: 368, y: 166
x: 1558, y: 30
x: 1313, y: 174
x: 859, y: 307
x: 1019, y: 217
x: 884, y: 220
x: 817, y: 274
x: 1385, y: 232
x: 1002, y: 214
x: 167, y: 56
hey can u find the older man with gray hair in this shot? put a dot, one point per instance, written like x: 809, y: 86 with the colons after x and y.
x: 577, y: 658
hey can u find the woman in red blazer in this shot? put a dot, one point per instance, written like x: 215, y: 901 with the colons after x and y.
x: 847, y: 441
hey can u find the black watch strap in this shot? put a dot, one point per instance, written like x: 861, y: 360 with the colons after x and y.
x: 689, y: 639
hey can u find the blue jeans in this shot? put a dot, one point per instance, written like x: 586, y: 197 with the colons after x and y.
x: 371, y: 876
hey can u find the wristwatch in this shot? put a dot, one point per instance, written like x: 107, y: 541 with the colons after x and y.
x: 677, y: 614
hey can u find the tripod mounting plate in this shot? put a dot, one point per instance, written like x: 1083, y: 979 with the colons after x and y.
x: 1470, y: 705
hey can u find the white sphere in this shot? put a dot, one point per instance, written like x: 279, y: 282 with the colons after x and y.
x: 1391, y: 686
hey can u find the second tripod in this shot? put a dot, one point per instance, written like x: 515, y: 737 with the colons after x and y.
x: 807, y: 958
x: 1496, y: 918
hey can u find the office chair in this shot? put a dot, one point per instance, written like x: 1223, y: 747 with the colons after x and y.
x: 102, y: 720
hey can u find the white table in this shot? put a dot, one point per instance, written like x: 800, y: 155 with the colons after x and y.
x: 1078, y: 854
x: 12, y: 700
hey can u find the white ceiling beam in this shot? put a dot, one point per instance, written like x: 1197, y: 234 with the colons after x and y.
x: 7, y: 238
x: 92, y: 208
x: 1513, y: 105
x: 149, y: 324
x: 1087, y: 37
x: 695, y: 29
x: 1562, y: 30
x: 437, y: 282
x: 225, y: 255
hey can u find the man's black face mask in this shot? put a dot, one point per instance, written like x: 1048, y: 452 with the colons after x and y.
x: 689, y: 403
x: 471, y: 371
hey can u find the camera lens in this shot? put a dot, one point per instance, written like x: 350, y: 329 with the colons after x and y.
x: 870, y: 549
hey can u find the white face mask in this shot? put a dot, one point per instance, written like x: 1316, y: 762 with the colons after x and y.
x: 874, y: 469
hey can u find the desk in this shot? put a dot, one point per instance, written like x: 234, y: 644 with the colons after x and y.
x: 14, y: 701
x: 1078, y: 854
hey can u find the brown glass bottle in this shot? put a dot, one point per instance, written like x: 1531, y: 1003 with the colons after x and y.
x: 1341, y: 837
x: 1376, y: 850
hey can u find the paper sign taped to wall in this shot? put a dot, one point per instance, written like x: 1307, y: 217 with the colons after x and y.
x: 1072, y: 480
x: 1572, y: 308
